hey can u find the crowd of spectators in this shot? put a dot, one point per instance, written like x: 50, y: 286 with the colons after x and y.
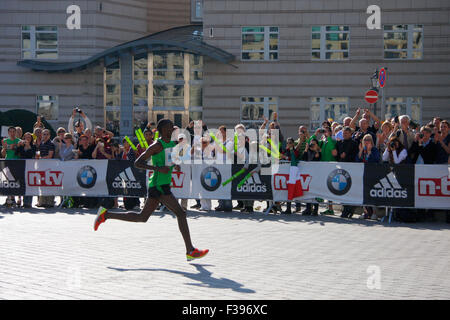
x: 363, y: 138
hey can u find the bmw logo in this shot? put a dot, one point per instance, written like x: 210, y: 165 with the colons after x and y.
x: 86, y: 177
x: 211, y: 178
x: 339, y: 182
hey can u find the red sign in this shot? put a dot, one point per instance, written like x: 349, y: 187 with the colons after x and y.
x: 371, y: 96
x: 280, y: 181
x: 382, y: 77
x: 177, y: 179
x: 45, y: 178
x: 434, y: 187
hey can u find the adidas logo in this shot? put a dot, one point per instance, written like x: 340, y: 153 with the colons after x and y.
x: 7, y: 180
x: 126, y: 180
x: 253, y: 184
x: 388, y: 187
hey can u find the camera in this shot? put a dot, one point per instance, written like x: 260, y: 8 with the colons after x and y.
x: 392, y: 145
x: 421, y: 135
x: 78, y: 110
x: 321, y: 130
x: 396, y: 119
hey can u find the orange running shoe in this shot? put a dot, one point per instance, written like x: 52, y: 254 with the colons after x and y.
x: 100, y: 217
x: 196, y: 254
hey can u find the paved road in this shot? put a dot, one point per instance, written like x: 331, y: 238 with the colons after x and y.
x: 55, y: 254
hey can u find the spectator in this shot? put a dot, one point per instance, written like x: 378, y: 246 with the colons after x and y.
x: 19, y: 132
x: 442, y: 140
x: 312, y: 153
x: 46, y: 151
x: 103, y: 149
x: 383, y: 136
x: 291, y: 154
x: 79, y: 125
x: 207, y: 153
x: 362, y: 131
x: 347, y: 150
x: 10, y: 145
x: 127, y: 152
x: 403, y: 132
x: 88, y: 134
x: 368, y: 153
x: 423, y: 147
x: 67, y: 150
x: 116, y: 152
x: 85, y: 149
x: 328, y: 153
x: 223, y: 154
x: 37, y: 135
x: 148, y: 136
x: 58, y: 141
x: 38, y: 123
x: 182, y: 154
x: 395, y: 152
x: 26, y: 150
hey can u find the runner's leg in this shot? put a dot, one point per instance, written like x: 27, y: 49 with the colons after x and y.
x: 146, y: 212
x: 172, y: 204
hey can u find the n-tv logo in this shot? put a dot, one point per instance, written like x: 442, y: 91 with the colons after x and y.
x: 439, y: 187
x: 280, y: 181
x: 45, y: 178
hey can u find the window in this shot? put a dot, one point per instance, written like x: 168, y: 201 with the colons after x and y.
x: 140, y: 91
x: 112, y: 98
x: 39, y: 42
x: 260, y: 43
x: 196, y: 10
x: 330, y: 42
x: 48, y: 107
x: 412, y: 106
x: 403, y: 42
x: 328, y: 108
x: 254, y: 109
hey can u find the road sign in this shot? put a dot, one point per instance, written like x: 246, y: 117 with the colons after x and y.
x: 382, y: 77
x: 371, y: 96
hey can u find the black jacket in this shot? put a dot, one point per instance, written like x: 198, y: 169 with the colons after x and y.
x: 350, y: 147
x: 428, y: 153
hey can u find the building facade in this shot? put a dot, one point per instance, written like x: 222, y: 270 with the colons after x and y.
x: 223, y: 61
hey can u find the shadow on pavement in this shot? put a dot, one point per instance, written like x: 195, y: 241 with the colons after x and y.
x: 204, y: 278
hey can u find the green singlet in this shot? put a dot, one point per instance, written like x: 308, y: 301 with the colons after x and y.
x: 162, y: 159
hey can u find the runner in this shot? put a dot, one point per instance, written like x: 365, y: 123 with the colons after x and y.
x: 159, y: 189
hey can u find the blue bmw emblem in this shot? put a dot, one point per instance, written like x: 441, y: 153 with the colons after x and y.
x: 211, y: 178
x: 339, y: 182
x: 86, y: 177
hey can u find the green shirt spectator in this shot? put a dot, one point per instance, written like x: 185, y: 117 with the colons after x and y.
x: 10, y: 144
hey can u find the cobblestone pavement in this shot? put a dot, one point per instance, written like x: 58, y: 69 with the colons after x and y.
x: 55, y: 254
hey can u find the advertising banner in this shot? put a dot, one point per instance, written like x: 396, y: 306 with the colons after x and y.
x: 123, y: 178
x: 12, y: 177
x: 432, y: 186
x: 57, y: 178
x: 256, y: 187
x: 389, y: 185
x: 207, y: 181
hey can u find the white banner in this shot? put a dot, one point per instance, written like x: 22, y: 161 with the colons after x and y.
x: 55, y: 178
x: 339, y: 182
x: 207, y: 181
x: 432, y: 186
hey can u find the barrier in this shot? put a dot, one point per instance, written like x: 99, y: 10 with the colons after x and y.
x: 411, y: 186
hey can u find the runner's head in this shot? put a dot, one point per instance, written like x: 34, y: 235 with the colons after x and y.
x: 165, y: 128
